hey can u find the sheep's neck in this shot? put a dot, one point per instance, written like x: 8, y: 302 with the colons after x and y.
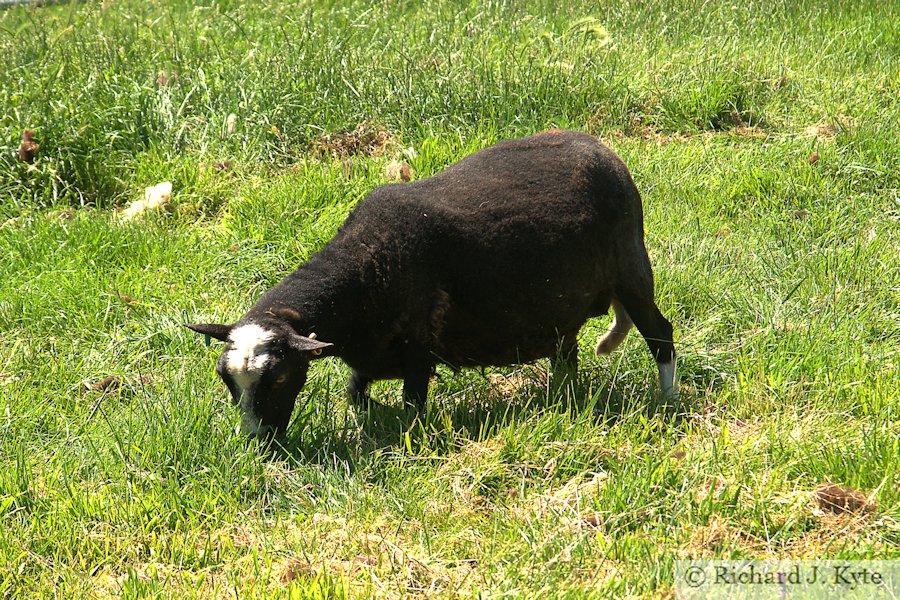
x: 326, y: 295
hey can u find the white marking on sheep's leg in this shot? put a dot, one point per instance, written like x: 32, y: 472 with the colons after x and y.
x: 668, y: 384
x: 617, y: 333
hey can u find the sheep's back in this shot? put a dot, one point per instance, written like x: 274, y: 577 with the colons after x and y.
x: 518, y: 240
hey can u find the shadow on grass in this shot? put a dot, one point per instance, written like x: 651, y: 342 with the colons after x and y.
x: 476, y: 413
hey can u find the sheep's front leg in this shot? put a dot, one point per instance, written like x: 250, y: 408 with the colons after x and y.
x: 416, y: 373
x: 358, y: 389
x: 415, y: 390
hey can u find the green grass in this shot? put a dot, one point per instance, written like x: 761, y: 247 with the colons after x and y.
x: 781, y: 276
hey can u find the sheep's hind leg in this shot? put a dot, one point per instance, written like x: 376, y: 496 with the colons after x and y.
x: 657, y: 332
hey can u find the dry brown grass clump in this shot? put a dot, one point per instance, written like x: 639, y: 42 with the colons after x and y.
x: 398, y: 171
x: 827, y: 131
x: 528, y: 379
x: 367, y: 139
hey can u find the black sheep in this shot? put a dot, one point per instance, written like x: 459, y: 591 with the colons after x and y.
x: 498, y: 259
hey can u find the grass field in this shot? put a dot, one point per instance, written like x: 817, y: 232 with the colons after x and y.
x: 763, y: 137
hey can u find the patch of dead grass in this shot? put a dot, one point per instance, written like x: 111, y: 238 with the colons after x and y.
x: 465, y: 500
x: 640, y: 128
x: 367, y: 139
x: 392, y: 570
x: 826, y: 131
x: 526, y: 380
x: 366, y: 556
x: 748, y: 131
x: 713, y: 486
x: 714, y: 538
x: 831, y: 529
x: 398, y: 171
x: 832, y: 533
x: 573, y: 493
x: 568, y: 503
x: 63, y: 214
x: 648, y: 133
x: 110, y: 583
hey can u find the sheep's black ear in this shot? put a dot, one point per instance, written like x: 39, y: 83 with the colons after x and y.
x: 213, y: 330
x: 302, y: 343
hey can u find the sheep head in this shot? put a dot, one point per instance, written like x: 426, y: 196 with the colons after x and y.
x: 264, y: 365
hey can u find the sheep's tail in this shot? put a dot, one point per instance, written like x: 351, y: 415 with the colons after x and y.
x: 617, y: 333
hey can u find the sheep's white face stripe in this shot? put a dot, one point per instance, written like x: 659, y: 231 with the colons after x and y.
x: 667, y: 381
x: 246, y: 359
x: 248, y: 354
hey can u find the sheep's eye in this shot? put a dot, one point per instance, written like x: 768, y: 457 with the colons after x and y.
x: 281, y: 379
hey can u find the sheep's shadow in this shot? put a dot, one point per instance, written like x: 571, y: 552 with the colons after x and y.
x: 475, y: 413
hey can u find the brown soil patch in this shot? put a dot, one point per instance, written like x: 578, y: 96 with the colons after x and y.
x: 836, y: 531
x: 838, y: 499
x: 593, y: 520
x: 128, y: 300
x: 164, y: 78
x: 28, y: 149
x: 108, y: 385
x: 219, y: 166
x: 296, y: 568
x: 112, y: 384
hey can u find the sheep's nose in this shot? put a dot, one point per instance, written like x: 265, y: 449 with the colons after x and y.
x: 265, y: 434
